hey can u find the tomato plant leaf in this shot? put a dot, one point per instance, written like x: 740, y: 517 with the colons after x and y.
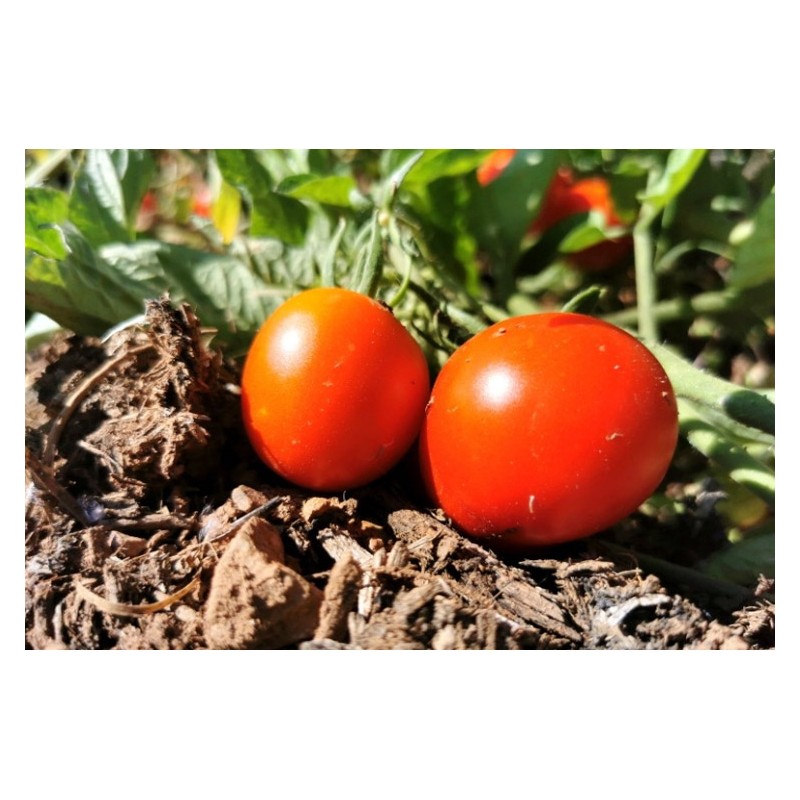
x: 80, y: 292
x: 678, y: 171
x: 280, y: 217
x: 135, y: 169
x: 591, y: 232
x: 272, y: 214
x: 333, y: 190
x: 226, y: 211
x: 244, y: 169
x: 44, y: 210
x: 106, y: 194
x: 435, y: 164
x: 755, y: 261
x: 744, y: 561
x: 500, y: 213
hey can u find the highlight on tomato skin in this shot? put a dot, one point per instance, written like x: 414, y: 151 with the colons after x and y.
x: 547, y: 428
x: 333, y: 390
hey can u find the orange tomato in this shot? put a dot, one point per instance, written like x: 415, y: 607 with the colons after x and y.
x: 333, y: 390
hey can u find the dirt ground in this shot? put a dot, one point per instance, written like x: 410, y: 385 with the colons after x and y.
x: 150, y: 524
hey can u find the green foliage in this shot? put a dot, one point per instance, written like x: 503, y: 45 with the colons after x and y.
x: 744, y: 561
x: 755, y: 261
x: 106, y: 194
x: 45, y: 209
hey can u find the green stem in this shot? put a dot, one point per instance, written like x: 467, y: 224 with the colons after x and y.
x: 584, y: 302
x: 681, y: 308
x: 394, y: 237
x: 645, y: 282
x: 736, y: 461
x: 327, y: 268
x: 742, y: 405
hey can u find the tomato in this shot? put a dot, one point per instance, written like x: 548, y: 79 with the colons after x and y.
x: 333, y: 390
x: 202, y: 201
x: 547, y: 428
x: 494, y: 165
x: 566, y: 197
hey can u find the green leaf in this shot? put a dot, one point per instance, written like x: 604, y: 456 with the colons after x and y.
x: 135, y: 169
x: 755, y: 261
x: 275, y: 215
x: 678, y: 171
x: 333, y: 190
x: 107, y: 192
x: 591, y: 232
x: 435, y: 164
x: 44, y: 210
x: 744, y: 561
x: 500, y: 213
x: 278, y: 216
x: 224, y: 291
x: 226, y: 210
x: 91, y: 290
x: 81, y: 292
x: 97, y: 204
x: 244, y: 169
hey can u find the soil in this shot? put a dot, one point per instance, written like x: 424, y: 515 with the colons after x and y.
x: 150, y: 524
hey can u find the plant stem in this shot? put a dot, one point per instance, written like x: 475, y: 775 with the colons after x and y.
x: 681, y: 307
x: 645, y: 282
x: 327, y: 268
x: 740, y: 404
x: 743, y: 468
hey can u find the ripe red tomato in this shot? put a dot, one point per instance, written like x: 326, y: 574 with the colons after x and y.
x: 565, y: 197
x: 547, y: 428
x: 333, y: 390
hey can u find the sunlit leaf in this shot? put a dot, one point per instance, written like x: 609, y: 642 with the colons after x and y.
x: 243, y: 168
x: 755, y: 261
x: 435, y: 164
x: 107, y: 191
x: 226, y: 210
x: 334, y: 190
x: 275, y: 215
x: 678, y: 171
x: 44, y: 210
x: 591, y: 232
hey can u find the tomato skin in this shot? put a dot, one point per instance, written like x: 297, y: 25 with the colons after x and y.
x: 565, y: 197
x: 333, y: 390
x: 547, y: 428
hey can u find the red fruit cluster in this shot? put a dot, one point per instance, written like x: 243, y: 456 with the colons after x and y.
x: 566, y: 197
